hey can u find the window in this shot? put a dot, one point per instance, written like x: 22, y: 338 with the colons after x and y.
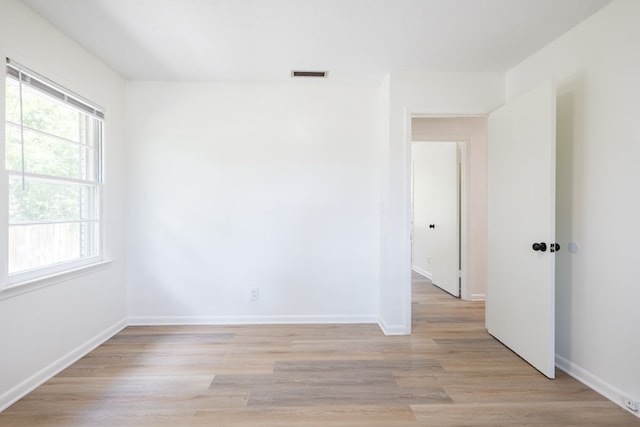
x: 53, y: 153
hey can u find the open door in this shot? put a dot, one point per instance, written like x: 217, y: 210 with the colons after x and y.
x: 520, y: 309
x: 436, y: 222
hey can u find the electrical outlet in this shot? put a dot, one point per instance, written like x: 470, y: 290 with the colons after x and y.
x: 634, y: 405
x: 428, y: 260
x: 254, y: 294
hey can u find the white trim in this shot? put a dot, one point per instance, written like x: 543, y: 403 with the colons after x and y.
x: 12, y: 395
x: 4, y: 181
x: 250, y: 320
x: 404, y: 281
x: 446, y: 116
x: 464, y: 198
x: 421, y: 272
x: 478, y: 297
x: 62, y: 221
x: 62, y: 94
x: 594, y: 382
x: 35, y: 274
x: 15, y: 289
x: 53, y: 179
x: 50, y: 135
x: 389, y: 330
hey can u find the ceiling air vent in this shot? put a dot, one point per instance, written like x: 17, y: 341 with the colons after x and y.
x: 295, y: 73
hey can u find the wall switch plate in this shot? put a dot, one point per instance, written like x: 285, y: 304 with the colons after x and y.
x: 254, y: 294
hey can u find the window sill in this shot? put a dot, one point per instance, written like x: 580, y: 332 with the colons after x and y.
x: 20, y: 288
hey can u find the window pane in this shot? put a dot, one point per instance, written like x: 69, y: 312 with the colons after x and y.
x: 40, y: 245
x: 13, y: 151
x: 13, y: 101
x: 46, y: 114
x: 49, y: 155
x: 50, y: 201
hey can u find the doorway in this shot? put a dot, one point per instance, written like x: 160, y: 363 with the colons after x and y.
x: 470, y: 134
x: 522, y: 157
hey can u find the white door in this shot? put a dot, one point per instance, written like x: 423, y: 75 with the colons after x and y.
x: 520, y: 310
x: 421, y: 249
x: 436, y: 241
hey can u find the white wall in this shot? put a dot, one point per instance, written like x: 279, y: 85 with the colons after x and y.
x: 428, y: 94
x: 596, y: 66
x: 43, y: 330
x: 240, y: 186
x: 473, y: 130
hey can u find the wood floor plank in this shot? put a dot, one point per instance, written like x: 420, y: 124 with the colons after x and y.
x: 538, y: 414
x: 312, y: 416
x: 449, y: 372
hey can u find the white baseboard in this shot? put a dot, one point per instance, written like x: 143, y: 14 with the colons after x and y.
x: 422, y: 272
x: 592, y: 381
x: 12, y: 395
x: 249, y: 320
x: 478, y: 297
x: 392, y: 329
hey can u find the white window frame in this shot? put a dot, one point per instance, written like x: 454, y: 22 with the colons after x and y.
x: 49, y: 274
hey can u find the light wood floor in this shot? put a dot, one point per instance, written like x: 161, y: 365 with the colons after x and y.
x: 450, y: 372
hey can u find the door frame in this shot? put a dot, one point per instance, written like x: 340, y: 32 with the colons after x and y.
x: 462, y: 164
x: 409, y: 114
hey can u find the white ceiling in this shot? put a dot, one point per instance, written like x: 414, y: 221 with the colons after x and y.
x: 356, y: 40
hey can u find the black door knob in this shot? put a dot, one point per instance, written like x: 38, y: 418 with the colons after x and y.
x: 542, y: 247
x: 432, y: 226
